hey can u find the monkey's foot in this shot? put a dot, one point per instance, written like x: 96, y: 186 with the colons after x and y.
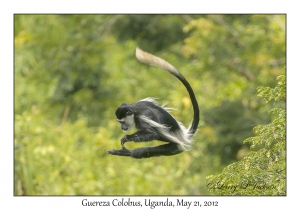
x: 120, y: 152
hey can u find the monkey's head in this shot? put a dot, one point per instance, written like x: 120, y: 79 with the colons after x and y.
x: 125, y: 116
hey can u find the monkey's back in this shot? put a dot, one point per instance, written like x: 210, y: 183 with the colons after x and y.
x: 156, y: 113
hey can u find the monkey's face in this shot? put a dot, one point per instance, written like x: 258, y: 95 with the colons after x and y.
x: 125, y: 117
x: 127, y: 122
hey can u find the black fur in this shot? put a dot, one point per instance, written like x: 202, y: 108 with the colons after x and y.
x: 150, y: 110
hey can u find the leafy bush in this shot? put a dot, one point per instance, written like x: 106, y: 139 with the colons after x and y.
x: 261, y: 172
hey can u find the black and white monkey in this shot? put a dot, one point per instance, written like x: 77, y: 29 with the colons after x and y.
x: 154, y: 122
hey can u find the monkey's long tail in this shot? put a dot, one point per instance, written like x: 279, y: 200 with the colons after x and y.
x: 159, y: 62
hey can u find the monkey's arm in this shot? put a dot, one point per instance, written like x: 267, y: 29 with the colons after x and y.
x: 141, y: 136
x: 147, y: 152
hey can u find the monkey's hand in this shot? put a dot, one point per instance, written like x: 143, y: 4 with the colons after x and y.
x: 120, y: 152
x: 124, y: 140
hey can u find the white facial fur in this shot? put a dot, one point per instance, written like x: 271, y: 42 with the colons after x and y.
x: 127, y: 122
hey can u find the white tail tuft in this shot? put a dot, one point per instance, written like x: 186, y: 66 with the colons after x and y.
x: 155, y: 61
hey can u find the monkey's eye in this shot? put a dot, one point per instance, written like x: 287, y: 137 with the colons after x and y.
x: 128, y: 113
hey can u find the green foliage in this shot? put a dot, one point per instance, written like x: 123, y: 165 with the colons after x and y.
x: 278, y: 93
x: 73, y: 71
x: 261, y: 172
x: 147, y: 29
x: 232, y: 55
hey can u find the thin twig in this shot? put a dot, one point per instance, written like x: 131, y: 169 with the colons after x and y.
x: 106, y: 27
x: 65, y: 116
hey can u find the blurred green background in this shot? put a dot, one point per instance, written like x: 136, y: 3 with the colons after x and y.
x: 73, y: 71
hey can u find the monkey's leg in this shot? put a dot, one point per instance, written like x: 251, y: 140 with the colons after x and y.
x: 141, y: 136
x: 147, y: 152
x: 162, y: 150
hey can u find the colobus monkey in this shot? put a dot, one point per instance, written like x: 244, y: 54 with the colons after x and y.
x: 154, y: 122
